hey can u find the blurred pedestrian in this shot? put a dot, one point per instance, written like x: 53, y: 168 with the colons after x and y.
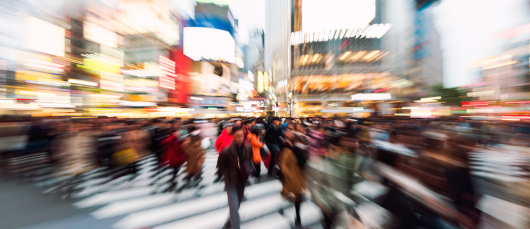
x: 225, y: 139
x: 273, y: 143
x: 257, y: 145
x: 292, y: 164
x: 235, y: 164
x: 194, y: 153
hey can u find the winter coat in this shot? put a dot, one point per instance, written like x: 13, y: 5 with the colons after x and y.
x: 229, y: 165
x: 273, y: 136
x: 324, y: 177
x: 223, y: 141
x: 317, y: 144
x: 195, y: 155
x: 347, y: 165
x: 75, y: 152
x: 293, y: 176
x: 173, y: 154
x: 256, y: 147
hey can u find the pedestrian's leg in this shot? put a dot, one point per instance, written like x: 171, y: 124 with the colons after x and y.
x: 297, y: 202
x: 134, y: 168
x: 218, y: 176
x: 271, y: 163
x: 233, y: 205
x: 175, y: 172
x: 258, y: 169
x: 327, y: 220
x: 241, y: 193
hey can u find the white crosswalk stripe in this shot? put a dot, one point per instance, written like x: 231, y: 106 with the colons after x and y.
x: 499, y: 165
x: 146, y: 200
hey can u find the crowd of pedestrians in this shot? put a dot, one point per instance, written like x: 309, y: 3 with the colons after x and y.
x: 423, y: 165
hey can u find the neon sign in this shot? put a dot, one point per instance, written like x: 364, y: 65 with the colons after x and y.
x: 167, y: 75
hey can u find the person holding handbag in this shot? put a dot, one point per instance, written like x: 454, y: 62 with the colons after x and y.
x: 257, y: 146
x: 236, y: 165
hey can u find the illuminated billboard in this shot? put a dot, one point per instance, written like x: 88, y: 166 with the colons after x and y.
x: 209, y: 44
x: 43, y: 36
x: 167, y: 75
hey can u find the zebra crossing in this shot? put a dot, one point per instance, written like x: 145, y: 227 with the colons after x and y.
x: 151, y: 200
x: 499, y: 163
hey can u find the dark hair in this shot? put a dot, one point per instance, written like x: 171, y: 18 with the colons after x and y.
x: 191, y: 129
x: 255, y: 131
x: 236, y: 128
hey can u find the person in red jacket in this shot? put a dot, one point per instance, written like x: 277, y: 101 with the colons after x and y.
x: 225, y: 139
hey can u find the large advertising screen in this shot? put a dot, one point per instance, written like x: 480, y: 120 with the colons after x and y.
x: 209, y: 44
x: 43, y: 36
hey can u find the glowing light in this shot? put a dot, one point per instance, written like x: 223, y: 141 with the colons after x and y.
x: 260, y: 81
x: 209, y: 44
x: 196, y: 98
x: 369, y: 31
x: 35, y: 93
x: 7, y: 101
x: 142, y: 73
x: 371, y: 54
x: 380, y: 90
x: 141, y: 89
x: 137, y: 104
x: 54, y: 105
x: 106, y: 96
x: 99, y: 34
x: 510, y: 119
x: 83, y: 82
x: 474, y: 103
x: 357, y: 55
x: 345, y: 55
x: 19, y: 106
x: 43, y: 36
x: 431, y: 98
x: 316, y: 57
x: 167, y: 78
x: 371, y: 96
x: 250, y: 76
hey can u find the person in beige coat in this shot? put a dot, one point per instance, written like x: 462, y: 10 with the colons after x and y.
x: 292, y: 163
x: 194, y: 153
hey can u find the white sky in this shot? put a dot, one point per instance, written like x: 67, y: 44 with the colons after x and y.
x: 251, y: 15
x: 466, y: 28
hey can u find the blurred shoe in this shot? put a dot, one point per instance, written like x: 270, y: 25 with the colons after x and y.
x: 227, y: 225
x: 298, y: 223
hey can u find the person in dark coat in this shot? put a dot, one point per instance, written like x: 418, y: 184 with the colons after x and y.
x: 273, y: 142
x: 234, y: 163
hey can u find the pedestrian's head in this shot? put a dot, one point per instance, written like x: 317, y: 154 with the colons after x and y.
x: 194, y: 132
x: 237, y: 123
x: 255, y: 131
x: 288, y: 133
x: 228, y: 128
x: 239, y: 135
x: 275, y: 121
x: 177, y: 124
x: 252, y: 122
